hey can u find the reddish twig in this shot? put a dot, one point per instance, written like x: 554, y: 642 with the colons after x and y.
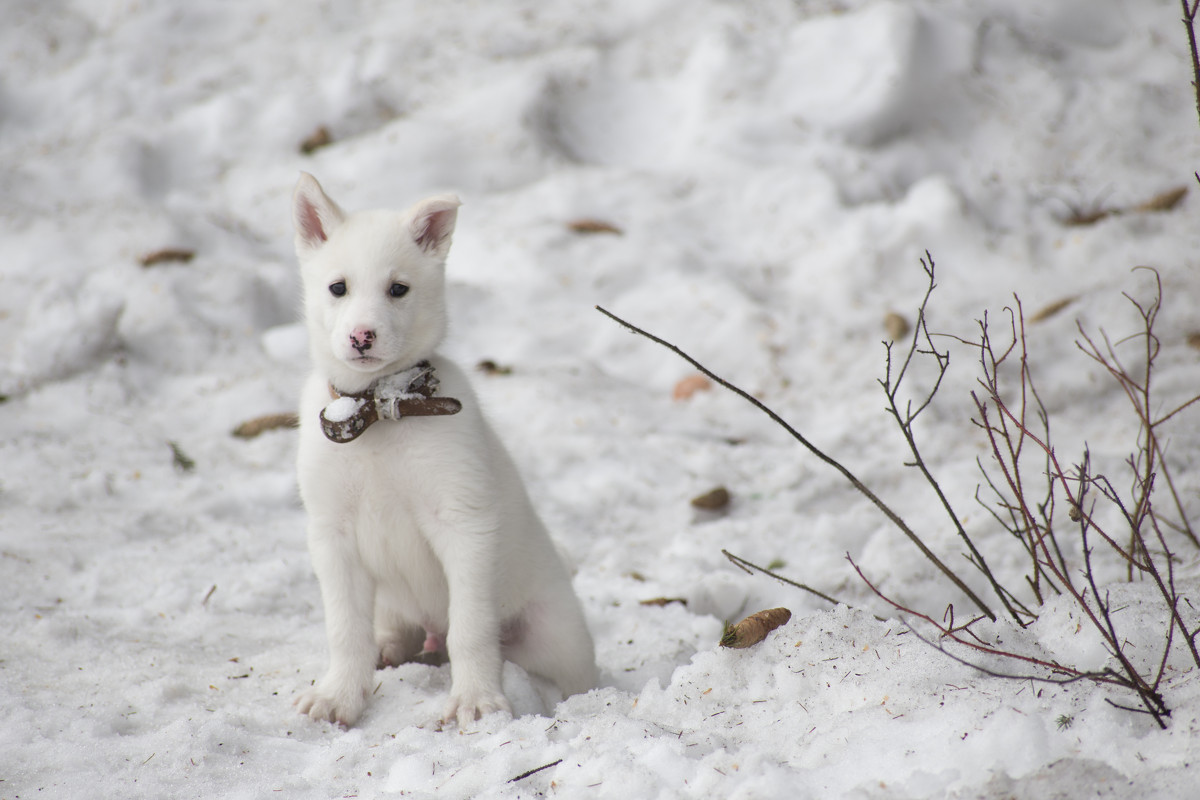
x: 946, y: 633
x: 1189, y: 22
x: 891, y: 387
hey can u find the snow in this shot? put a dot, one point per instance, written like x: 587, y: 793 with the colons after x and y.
x: 775, y: 171
x: 343, y: 408
x: 398, y: 386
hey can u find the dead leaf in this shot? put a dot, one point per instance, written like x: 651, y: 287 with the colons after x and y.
x: 253, y: 427
x: 690, y: 385
x: 663, y: 601
x: 1046, y: 312
x: 712, y: 500
x: 1080, y: 217
x: 319, y: 138
x: 896, y: 325
x: 182, y: 461
x: 489, y: 367
x: 754, y: 628
x: 1164, y: 201
x: 167, y: 255
x: 593, y: 226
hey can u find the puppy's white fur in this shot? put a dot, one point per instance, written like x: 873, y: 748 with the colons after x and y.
x: 420, y: 530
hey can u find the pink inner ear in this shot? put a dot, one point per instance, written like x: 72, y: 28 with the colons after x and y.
x: 309, y: 220
x: 434, y: 229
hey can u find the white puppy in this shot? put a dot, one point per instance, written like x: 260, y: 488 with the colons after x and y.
x: 420, y: 529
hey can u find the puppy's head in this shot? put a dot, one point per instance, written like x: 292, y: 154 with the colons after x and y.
x: 374, y: 283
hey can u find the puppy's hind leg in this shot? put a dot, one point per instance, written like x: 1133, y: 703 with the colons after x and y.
x: 551, y: 639
x: 402, y: 641
x: 398, y: 641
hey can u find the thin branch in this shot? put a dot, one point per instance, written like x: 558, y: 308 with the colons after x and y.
x: 534, y: 771
x: 1150, y: 698
x: 1082, y: 676
x: 891, y: 389
x: 1189, y: 22
x: 849, y: 476
x: 748, y: 567
x: 984, y: 648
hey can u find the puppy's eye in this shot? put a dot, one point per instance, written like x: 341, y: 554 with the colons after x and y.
x: 398, y: 290
x: 337, y: 289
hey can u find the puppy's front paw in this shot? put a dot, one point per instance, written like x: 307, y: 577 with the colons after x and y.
x: 342, y: 705
x: 470, y: 706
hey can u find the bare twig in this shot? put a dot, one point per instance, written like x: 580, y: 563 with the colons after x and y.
x: 891, y: 387
x: 534, y: 771
x: 1139, y: 393
x: 1027, y: 525
x: 1189, y: 22
x: 1150, y: 698
x: 1016, y: 425
x: 846, y: 473
x: 946, y: 632
x: 748, y: 567
x: 1082, y: 676
x: 1136, y: 508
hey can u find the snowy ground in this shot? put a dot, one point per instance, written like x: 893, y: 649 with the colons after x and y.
x: 776, y: 169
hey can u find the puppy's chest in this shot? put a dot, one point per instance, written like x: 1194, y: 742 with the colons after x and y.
x: 388, y: 467
x: 381, y: 493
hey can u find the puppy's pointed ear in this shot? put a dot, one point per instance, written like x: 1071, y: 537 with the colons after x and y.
x: 314, y: 214
x: 433, y: 223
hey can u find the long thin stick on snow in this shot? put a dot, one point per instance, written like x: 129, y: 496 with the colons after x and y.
x: 535, y: 771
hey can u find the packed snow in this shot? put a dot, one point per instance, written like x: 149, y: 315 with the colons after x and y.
x: 755, y: 182
x: 343, y: 408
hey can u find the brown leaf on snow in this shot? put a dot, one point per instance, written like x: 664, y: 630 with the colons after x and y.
x: 593, y: 226
x: 319, y: 138
x: 754, y: 628
x: 1046, y: 312
x: 167, y: 255
x: 182, y: 460
x: 712, y: 500
x: 663, y: 601
x: 251, y: 428
x: 896, y: 325
x: 1164, y: 201
x: 1081, y: 217
x: 690, y: 385
x: 489, y: 367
